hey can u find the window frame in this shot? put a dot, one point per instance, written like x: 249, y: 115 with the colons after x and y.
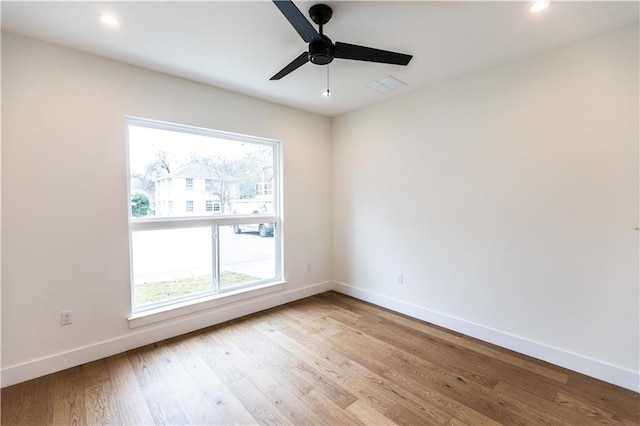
x: 215, y: 220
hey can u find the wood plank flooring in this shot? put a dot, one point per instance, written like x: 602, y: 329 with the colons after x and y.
x: 324, y: 360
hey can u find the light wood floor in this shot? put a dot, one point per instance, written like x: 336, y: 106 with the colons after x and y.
x: 325, y: 360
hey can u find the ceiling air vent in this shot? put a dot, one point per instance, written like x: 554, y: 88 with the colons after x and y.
x: 386, y: 84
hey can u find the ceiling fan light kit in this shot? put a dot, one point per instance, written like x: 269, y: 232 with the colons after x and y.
x: 321, y: 50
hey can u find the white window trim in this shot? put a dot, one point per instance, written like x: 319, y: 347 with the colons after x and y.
x: 203, y: 303
x: 179, y: 308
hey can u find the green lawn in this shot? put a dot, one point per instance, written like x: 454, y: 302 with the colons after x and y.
x: 162, y: 290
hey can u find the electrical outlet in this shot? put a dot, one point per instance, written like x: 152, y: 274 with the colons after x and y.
x: 66, y: 318
x: 308, y: 267
x: 400, y: 278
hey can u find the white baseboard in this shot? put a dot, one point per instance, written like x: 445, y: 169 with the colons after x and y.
x: 153, y: 333
x: 581, y: 364
x: 146, y: 335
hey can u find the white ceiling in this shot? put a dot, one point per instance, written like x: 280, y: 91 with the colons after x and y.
x: 239, y: 45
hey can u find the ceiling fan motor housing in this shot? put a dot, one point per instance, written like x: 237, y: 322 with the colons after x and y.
x: 321, y: 51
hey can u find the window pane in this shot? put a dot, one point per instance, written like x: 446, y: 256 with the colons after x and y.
x: 170, y: 264
x: 186, y: 176
x: 246, y: 257
x: 167, y: 168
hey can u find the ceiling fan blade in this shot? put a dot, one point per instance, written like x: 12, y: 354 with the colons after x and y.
x: 294, y: 65
x: 361, y: 53
x: 297, y: 20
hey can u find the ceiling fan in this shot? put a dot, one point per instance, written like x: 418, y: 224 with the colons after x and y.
x: 321, y: 49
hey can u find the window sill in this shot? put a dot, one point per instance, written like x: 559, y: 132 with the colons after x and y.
x: 196, y: 305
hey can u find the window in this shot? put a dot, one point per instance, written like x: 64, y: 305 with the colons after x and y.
x: 211, y: 206
x: 227, y: 238
x: 263, y: 188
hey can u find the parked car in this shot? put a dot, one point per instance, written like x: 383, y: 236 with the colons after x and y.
x: 264, y: 229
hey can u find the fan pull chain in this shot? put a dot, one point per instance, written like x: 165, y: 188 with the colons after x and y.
x: 327, y: 92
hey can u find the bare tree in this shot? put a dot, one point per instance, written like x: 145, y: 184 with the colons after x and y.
x: 252, y: 171
x: 159, y: 167
x: 221, y: 175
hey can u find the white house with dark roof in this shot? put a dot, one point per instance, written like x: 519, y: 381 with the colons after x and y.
x: 194, y: 190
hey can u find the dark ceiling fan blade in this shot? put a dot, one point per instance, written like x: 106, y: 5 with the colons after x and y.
x: 297, y: 20
x: 361, y: 53
x: 294, y: 65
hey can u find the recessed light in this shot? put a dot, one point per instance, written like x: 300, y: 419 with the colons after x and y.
x: 109, y: 19
x: 539, y: 6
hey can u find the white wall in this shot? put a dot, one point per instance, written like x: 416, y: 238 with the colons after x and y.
x: 64, y: 218
x: 509, y: 200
